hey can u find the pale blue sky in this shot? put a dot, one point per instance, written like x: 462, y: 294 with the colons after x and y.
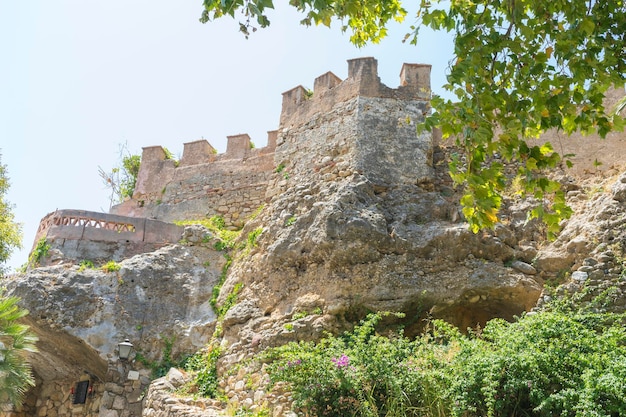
x: 80, y: 77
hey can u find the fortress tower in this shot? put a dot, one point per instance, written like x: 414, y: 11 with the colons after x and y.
x: 356, y: 126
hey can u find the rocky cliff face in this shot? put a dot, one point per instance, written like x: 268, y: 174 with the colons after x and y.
x: 349, y: 232
x: 156, y: 299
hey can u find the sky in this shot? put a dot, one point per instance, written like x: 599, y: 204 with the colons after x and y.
x: 79, y: 78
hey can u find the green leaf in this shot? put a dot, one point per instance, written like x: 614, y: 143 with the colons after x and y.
x: 587, y: 26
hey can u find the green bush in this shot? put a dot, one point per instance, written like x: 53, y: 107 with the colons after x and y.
x: 553, y: 363
x: 548, y: 364
x: 359, y: 373
x: 215, y: 292
x: 253, y: 236
x: 85, y: 264
x: 162, y: 367
x: 204, y: 366
x: 217, y: 225
x: 39, y: 253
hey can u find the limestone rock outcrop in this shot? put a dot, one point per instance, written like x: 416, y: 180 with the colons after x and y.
x: 355, y: 248
x: 155, y: 299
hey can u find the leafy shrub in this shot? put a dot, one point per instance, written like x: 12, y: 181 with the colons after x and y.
x: 548, y: 364
x: 122, y: 179
x: 204, y: 366
x: 553, y: 363
x: 220, y: 246
x: 230, y: 300
x: 217, y: 222
x: 299, y: 315
x: 85, y: 264
x: 217, y: 226
x: 162, y: 367
x: 359, y: 373
x: 215, y: 292
x: 253, y: 236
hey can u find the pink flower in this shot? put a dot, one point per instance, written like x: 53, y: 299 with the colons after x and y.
x: 342, y: 361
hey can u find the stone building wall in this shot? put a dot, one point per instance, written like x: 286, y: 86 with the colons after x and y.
x: 162, y: 401
x: 591, y: 154
x: 124, y: 390
x: 118, y: 396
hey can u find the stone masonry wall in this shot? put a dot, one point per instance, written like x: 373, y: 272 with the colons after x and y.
x: 55, y: 399
x: 120, y: 395
x: 203, y: 184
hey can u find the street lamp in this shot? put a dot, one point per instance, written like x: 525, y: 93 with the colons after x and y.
x: 125, y: 348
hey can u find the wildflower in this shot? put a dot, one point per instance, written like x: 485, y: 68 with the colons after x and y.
x: 342, y: 361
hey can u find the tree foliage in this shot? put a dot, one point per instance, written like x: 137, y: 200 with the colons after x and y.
x: 520, y: 67
x: 15, y: 341
x: 366, y: 19
x: 121, y: 180
x: 10, y: 231
x: 523, y: 67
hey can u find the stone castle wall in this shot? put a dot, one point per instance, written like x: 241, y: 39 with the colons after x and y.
x: 203, y: 183
x: 371, y: 126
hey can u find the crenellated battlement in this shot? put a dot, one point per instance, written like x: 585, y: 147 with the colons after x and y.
x: 238, y: 147
x: 363, y: 81
x: 343, y: 128
x: 362, y: 125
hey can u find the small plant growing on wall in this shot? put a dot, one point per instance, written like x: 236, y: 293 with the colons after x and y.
x: 256, y: 212
x: 111, y: 266
x: 161, y: 368
x: 230, y: 300
x: 215, y: 293
x: 85, y: 264
x: 121, y: 180
x: 253, y: 236
x: 281, y: 169
x: 40, y: 252
x: 217, y: 225
x: 204, y: 365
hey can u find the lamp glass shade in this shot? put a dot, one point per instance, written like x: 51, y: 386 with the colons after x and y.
x: 124, y: 349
